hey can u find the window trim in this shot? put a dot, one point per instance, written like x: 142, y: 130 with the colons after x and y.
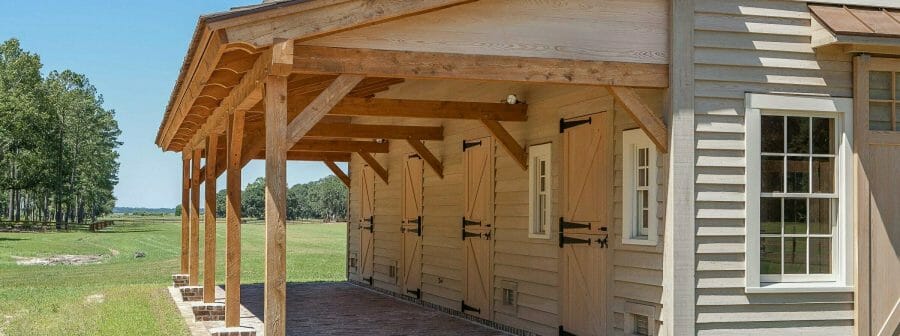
x: 540, y: 151
x: 842, y: 110
x: 632, y: 139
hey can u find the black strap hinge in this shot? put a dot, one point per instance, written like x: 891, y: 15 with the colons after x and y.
x: 470, y: 144
x: 567, y: 124
x: 563, y: 224
x: 466, y: 222
x: 463, y: 307
x: 417, y: 292
x: 563, y: 240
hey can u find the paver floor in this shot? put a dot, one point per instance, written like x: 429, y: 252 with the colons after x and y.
x: 338, y: 308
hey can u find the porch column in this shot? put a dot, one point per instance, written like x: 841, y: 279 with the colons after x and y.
x: 194, y: 263
x: 209, y: 232
x: 235, y: 138
x: 185, y: 215
x: 276, y: 202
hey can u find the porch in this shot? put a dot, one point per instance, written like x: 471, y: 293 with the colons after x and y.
x: 338, y: 308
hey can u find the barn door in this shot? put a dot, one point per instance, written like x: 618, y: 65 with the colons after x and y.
x: 411, y: 226
x: 367, y: 225
x: 583, y: 227
x: 477, y: 227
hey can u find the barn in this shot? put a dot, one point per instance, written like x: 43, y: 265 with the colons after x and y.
x: 578, y: 167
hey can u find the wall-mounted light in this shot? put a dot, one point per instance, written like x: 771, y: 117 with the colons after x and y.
x: 512, y: 99
x: 381, y: 141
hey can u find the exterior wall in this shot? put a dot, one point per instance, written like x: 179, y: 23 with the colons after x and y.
x: 764, y: 47
x: 578, y: 29
x: 532, y: 263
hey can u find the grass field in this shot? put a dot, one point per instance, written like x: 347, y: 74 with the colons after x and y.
x: 124, y: 295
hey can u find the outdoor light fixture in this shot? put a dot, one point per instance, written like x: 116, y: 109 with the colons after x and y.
x: 512, y: 99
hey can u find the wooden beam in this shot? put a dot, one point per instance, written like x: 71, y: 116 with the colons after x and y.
x: 185, y: 212
x: 235, y: 134
x: 194, y: 262
x: 377, y: 131
x: 426, y: 155
x: 310, y: 20
x: 349, y: 146
x: 320, y: 106
x: 509, y: 143
x: 651, y: 123
x: 310, y: 156
x: 382, y: 173
x: 209, y: 228
x: 380, y: 107
x: 414, y: 64
x: 338, y: 172
x: 276, y: 204
x: 282, y: 57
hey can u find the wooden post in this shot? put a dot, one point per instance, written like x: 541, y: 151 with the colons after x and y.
x: 276, y: 203
x: 235, y: 133
x: 194, y: 264
x: 185, y: 214
x: 209, y: 232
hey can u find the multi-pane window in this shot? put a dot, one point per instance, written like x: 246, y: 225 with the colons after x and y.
x: 641, y: 325
x: 540, y: 190
x: 798, y: 200
x: 884, y: 101
x: 639, y: 186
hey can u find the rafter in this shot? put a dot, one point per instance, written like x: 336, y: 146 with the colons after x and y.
x: 310, y: 156
x: 416, y: 64
x: 509, y: 143
x: 426, y: 155
x: 320, y: 106
x: 648, y: 121
x: 376, y: 166
x: 350, y: 106
x: 377, y: 131
x: 338, y: 172
x: 349, y: 146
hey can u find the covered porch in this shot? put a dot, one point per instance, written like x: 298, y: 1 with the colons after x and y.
x: 257, y: 86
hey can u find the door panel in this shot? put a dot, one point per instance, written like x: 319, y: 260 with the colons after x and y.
x: 366, y: 225
x: 586, y: 218
x: 884, y: 239
x: 411, y: 227
x: 477, y: 227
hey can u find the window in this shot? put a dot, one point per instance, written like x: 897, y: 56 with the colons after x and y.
x: 640, y: 319
x: 798, y: 199
x: 884, y: 101
x: 540, y: 190
x: 639, y: 219
x: 509, y: 297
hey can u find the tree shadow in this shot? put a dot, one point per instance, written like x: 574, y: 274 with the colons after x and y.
x: 11, y: 239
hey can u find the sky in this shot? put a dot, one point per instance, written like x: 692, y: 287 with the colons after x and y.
x: 132, y: 52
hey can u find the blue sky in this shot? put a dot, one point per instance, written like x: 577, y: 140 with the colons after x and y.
x: 131, y: 51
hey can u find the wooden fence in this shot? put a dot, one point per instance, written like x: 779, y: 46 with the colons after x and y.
x: 46, y: 226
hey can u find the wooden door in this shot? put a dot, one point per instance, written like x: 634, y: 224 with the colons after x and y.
x: 411, y: 226
x: 586, y: 219
x: 366, y: 225
x: 478, y: 157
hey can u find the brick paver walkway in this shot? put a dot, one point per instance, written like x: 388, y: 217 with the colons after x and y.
x: 344, y: 309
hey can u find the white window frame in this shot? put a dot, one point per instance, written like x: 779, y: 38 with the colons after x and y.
x: 632, y: 140
x: 841, y: 109
x: 537, y: 153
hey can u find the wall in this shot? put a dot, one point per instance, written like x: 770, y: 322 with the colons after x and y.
x: 532, y: 263
x: 751, y: 46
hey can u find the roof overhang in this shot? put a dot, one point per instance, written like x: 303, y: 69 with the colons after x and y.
x: 857, y: 29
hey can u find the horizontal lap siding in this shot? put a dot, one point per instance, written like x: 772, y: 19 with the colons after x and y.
x: 764, y: 47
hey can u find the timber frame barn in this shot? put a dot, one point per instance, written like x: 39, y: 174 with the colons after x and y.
x: 575, y: 167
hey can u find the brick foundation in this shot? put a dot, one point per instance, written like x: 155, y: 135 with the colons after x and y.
x: 209, y: 311
x: 191, y: 293
x: 180, y: 280
x: 233, y: 331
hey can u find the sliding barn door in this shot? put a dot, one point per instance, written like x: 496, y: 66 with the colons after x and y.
x: 366, y: 225
x: 586, y: 221
x: 411, y: 227
x: 478, y: 158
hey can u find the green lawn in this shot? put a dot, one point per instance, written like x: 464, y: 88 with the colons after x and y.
x: 126, y: 296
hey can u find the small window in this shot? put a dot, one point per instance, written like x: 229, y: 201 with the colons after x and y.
x: 639, y: 187
x: 540, y: 190
x: 641, y: 325
x: 884, y: 101
x: 392, y: 271
x: 640, y: 319
x: 353, y: 261
x: 509, y: 297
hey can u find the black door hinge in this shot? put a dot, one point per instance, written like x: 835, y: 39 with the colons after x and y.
x: 563, y: 332
x: 463, y: 307
x: 466, y: 222
x: 563, y: 224
x: 563, y: 240
x: 417, y: 292
x: 567, y: 124
x: 470, y: 144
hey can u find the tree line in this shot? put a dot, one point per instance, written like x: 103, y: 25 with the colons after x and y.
x: 325, y: 199
x: 58, y: 158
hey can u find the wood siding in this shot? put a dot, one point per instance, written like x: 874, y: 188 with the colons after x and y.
x: 611, y: 30
x: 764, y: 47
x: 532, y: 264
